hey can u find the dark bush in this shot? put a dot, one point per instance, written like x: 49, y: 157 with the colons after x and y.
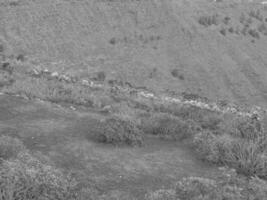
x: 208, y: 20
x: 223, y: 31
x: 21, y: 57
x: 175, y: 73
x: 112, y: 41
x: 1, y: 48
x: 231, y: 30
x: 254, y: 33
x: 115, y: 130
x: 170, y: 127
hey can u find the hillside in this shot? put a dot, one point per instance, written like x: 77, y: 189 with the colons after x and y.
x: 212, y: 49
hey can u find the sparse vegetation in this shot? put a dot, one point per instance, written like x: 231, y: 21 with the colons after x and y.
x: 254, y: 33
x: 208, y: 20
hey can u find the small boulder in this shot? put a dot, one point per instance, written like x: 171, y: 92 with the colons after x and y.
x: 85, y: 83
x: 55, y: 74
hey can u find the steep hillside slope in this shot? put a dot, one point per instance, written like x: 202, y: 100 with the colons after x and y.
x: 213, y: 49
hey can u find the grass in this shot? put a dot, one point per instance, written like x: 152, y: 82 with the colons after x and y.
x: 10, y: 147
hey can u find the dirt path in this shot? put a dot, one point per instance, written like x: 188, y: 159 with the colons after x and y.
x: 65, y: 136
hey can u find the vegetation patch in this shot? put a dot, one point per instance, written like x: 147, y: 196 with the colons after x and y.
x: 228, y: 186
x: 10, y: 147
x: 168, y: 126
x: 209, y: 20
x: 118, y: 131
x: 27, y: 178
x: 242, y: 146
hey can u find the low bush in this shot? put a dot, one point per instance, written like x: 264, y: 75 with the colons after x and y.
x: 256, y: 14
x: 208, y: 20
x: 168, y: 126
x: 10, y: 147
x: 254, y: 33
x: 226, y: 186
x: 242, y: 146
x: 26, y: 178
x: 223, y: 31
x: 118, y: 131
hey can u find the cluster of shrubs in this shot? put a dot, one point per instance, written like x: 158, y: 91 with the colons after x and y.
x: 119, y: 131
x: 209, y: 20
x: 228, y: 186
x: 24, y: 177
x: 242, y: 145
x: 169, y: 127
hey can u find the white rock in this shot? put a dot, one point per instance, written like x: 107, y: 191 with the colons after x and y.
x: 85, y: 83
x: 55, y: 74
x: 46, y: 70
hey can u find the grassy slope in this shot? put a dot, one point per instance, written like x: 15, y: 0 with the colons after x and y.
x: 65, y: 136
x: 151, y: 38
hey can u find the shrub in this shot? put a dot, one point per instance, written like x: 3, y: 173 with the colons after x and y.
x: 226, y: 186
x: 21, y: 57
x: 208, y: 20
x: 99, y: 76
x: 175, y: 73
x: 262, y: 28
x: 168, y: 126
x: 223, y: 31
x: 194, y: 188
x: 254, y: 33
x: 27, y: 178
x: 112, y: 41
x: 226, y: 20
x: 117, y: 131
x: 242, y: 146
x: 2, y: 48
x: 256, y: 14
x: 10, y: 147
x: 231, y: 30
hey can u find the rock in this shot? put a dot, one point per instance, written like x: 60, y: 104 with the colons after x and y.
x: 85, y: 83
x: 64, y: 78
x: 35, y: 72
x: 55, y: 74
